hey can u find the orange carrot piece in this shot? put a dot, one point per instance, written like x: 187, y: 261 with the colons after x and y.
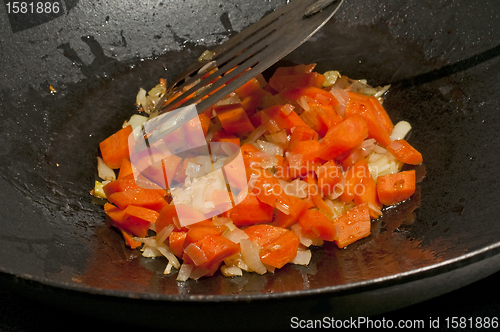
x: 281, y: 250
x: 297, y: 207
x: 405, y: 152
x: 135, y: 226
x: 233, y: 118
x: 395, y: 188
x: 264, y: 234
x: 353, y: 225
x: 343, y: 136
x: 115, y: 148
x: 251, y: 211
x: 146, y: 198
x: 129, y: 241
x: 301, y: 133
x: 253, y: 101
x: 142, y: 213
x: 315, y: 195
x: 279, y: 117
x: 362, y: 106
x: 382, y: 115
x: 224, y: 136
x: 296, y: 81
x: 176, y: 242
x: 246, y: 89
x: 125, y: 168
x: 216, y: 248
x: 316, y: 225
x: 198, y: 232
x: 329, y: 175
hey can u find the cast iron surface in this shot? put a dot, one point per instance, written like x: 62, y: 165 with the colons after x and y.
x: 441, y: 57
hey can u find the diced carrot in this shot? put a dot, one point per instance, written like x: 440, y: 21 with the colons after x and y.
x: 329, y: 175
x: 123, y: 221
x: 307, y: 152
x: 253, y: 101
x: 301, y: 133
x: 171, y: 214
x: 362, y: 106
x: 250, y: 155
x: 405, y: 152
x: 279, y: 117
x: 365, y: 190
x: 129, y: 241
x: 145, y: 198
x: 310, y: 94
x: 176, y: 242
x: 395, y: 188
x: 321, y: 118
x: 125, y: 168
x: 246, y: 89
x: 296, y: 81
x: 297, y: 207
x: 278, y: 245
x: 360, y: 187
x: 234, y: 119
x: 205, y: 120
x: 315, y: 195
x: 343, y: 136
x: 198, y: 232
x: 224, y: 136
x: 268, y: 189
x: 353, y: 225
x: 180, y: 175
x: 130, y: 183
x: 251, y: 211
x: 264, y: 234
x: 316, y: 225
x: 280, y: 251
x: 216, y: 248
x: 115, y: 148
x: 292, y: 70
x: 142, y: 213
x: 382, y: 115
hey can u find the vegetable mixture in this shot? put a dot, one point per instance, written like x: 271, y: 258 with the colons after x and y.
x: 322, y: 158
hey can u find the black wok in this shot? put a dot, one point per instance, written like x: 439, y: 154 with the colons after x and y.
x: 69, y: 80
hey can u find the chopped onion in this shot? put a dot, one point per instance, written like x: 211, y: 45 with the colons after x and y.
x: 331, y: 77
x: 400, y: 130
x: 231, y: 271
x: 167, y: 252
x: 280, y: 138
x: 140, y: 99
x: 303, y: 257
x: 250, y: 254
x: 236, y: 235
x: 269, y: 148
x: 287, y: 109
x: 196, y: 254
x: 302, y: 101
x: 105, y: 172
x: 135, y: 121
x: 184, y: 272
x: 256, y: 134
x: 342, y: 97
x: 165, y: 233
x: 297, y: 188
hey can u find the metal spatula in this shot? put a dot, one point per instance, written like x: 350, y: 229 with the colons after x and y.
x: 247, y: 54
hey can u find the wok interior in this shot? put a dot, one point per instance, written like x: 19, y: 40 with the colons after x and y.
x: 55, y: 232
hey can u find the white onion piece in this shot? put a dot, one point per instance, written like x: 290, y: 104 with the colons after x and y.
x: 269, y: 148
x: 303, y: 257
x: 164, y: 234
x: 250, y: 253
x: 400, y: 130
x: 280, y: 138
x: 231, y: 271
x: 196, y: 254
x: 256, y: 134
x: 342, y: 97
x: 236, y: 235
x: 105, y: 172
x: 184, y: 272
x: 135, y: 121
x: 172, y: 259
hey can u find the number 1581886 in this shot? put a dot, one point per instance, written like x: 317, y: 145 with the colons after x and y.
x: 33, y: 7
